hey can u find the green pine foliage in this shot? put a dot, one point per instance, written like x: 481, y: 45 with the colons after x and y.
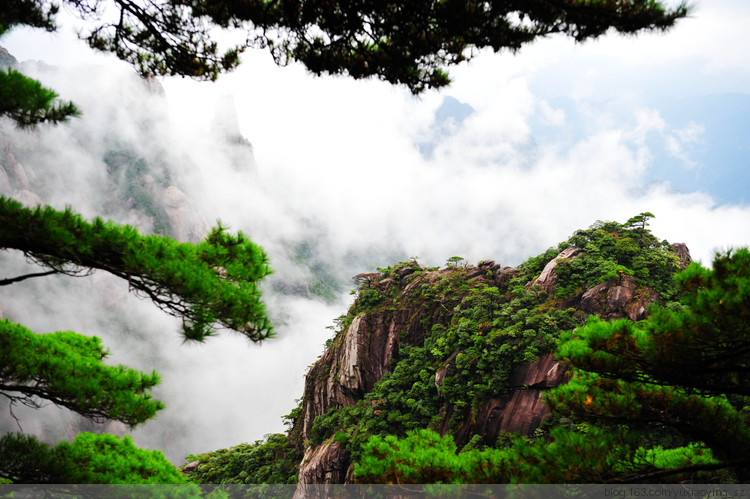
x: 272, y: 461
x: 67, y: 369
x: 596, y: 456
x: 25, y: 101
x: 209, y: 284
x: 410, y: 43
x: 30, y: 13
x: 665, y: 400
x: 413, y: 43
x: 213, y: 282
x: 89, y: 458
x: 686, y: 369
x: 610, y: 248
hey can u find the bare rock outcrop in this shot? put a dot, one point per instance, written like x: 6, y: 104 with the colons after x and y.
x: 547, y: 279
x: 185, y: 224
x: 521, y: 411
x: 16, y: 173
x: 683, y: 254
x: 327, y: 463
x: 615, y: 300
x: 190, y: 467
x: 175, y: 204
x: 5, y: 187
x: 346, y: 373
x: 6, y: 58
x: 494, y: 272
x: 27, y: 198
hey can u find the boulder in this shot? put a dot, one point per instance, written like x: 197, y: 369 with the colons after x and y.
x: 683, y: 254
x: 547, y: 279
x: 328, y: 463
x: 618, y: 299
x: 190, y: 467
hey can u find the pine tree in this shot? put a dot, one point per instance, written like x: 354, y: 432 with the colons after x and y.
x: 23, y: 99
x: 686, y: 369
x: 213, y: 282
x: 664, y: 400
x: 210, y: 284
x: 67, y: 369
x: 28, y: 103
x: 407, y: 42
x: 89, y: 458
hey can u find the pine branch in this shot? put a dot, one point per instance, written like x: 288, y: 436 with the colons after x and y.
x: 5, y: 282
x: 67, y: 369
x: 646, y: 477
x: 207, y: 284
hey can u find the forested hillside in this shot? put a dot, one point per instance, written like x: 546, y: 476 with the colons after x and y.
x: 577, y: 366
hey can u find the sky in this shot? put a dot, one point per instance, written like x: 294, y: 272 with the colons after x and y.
x: 518, y: 153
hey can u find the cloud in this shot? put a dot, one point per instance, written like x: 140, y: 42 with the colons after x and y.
x: 550, y: 116
x: 683, y: 140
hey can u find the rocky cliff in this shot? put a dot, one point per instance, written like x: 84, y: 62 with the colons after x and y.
x: 467, y: 351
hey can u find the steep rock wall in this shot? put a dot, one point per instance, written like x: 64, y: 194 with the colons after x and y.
x: 521, y: 410
x: 363, y: 353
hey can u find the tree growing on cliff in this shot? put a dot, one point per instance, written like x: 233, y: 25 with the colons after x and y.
x: 682, y: 376
x: 213, y: 282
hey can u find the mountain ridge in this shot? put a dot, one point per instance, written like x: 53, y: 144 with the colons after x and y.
x: 467, y: 350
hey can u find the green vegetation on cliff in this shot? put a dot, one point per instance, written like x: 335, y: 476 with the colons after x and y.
x: 467, y: 329
x: 611, y: 249
x: 271, y: 461
x: 666, y: 399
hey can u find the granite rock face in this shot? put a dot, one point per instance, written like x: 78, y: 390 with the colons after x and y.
x: 547, y: 279
x: 615, y: 300
x: 521, y: 410
x: 361, y: 355
x: 683, y: 254
x: 326, y: 463
x: 6, y: 58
